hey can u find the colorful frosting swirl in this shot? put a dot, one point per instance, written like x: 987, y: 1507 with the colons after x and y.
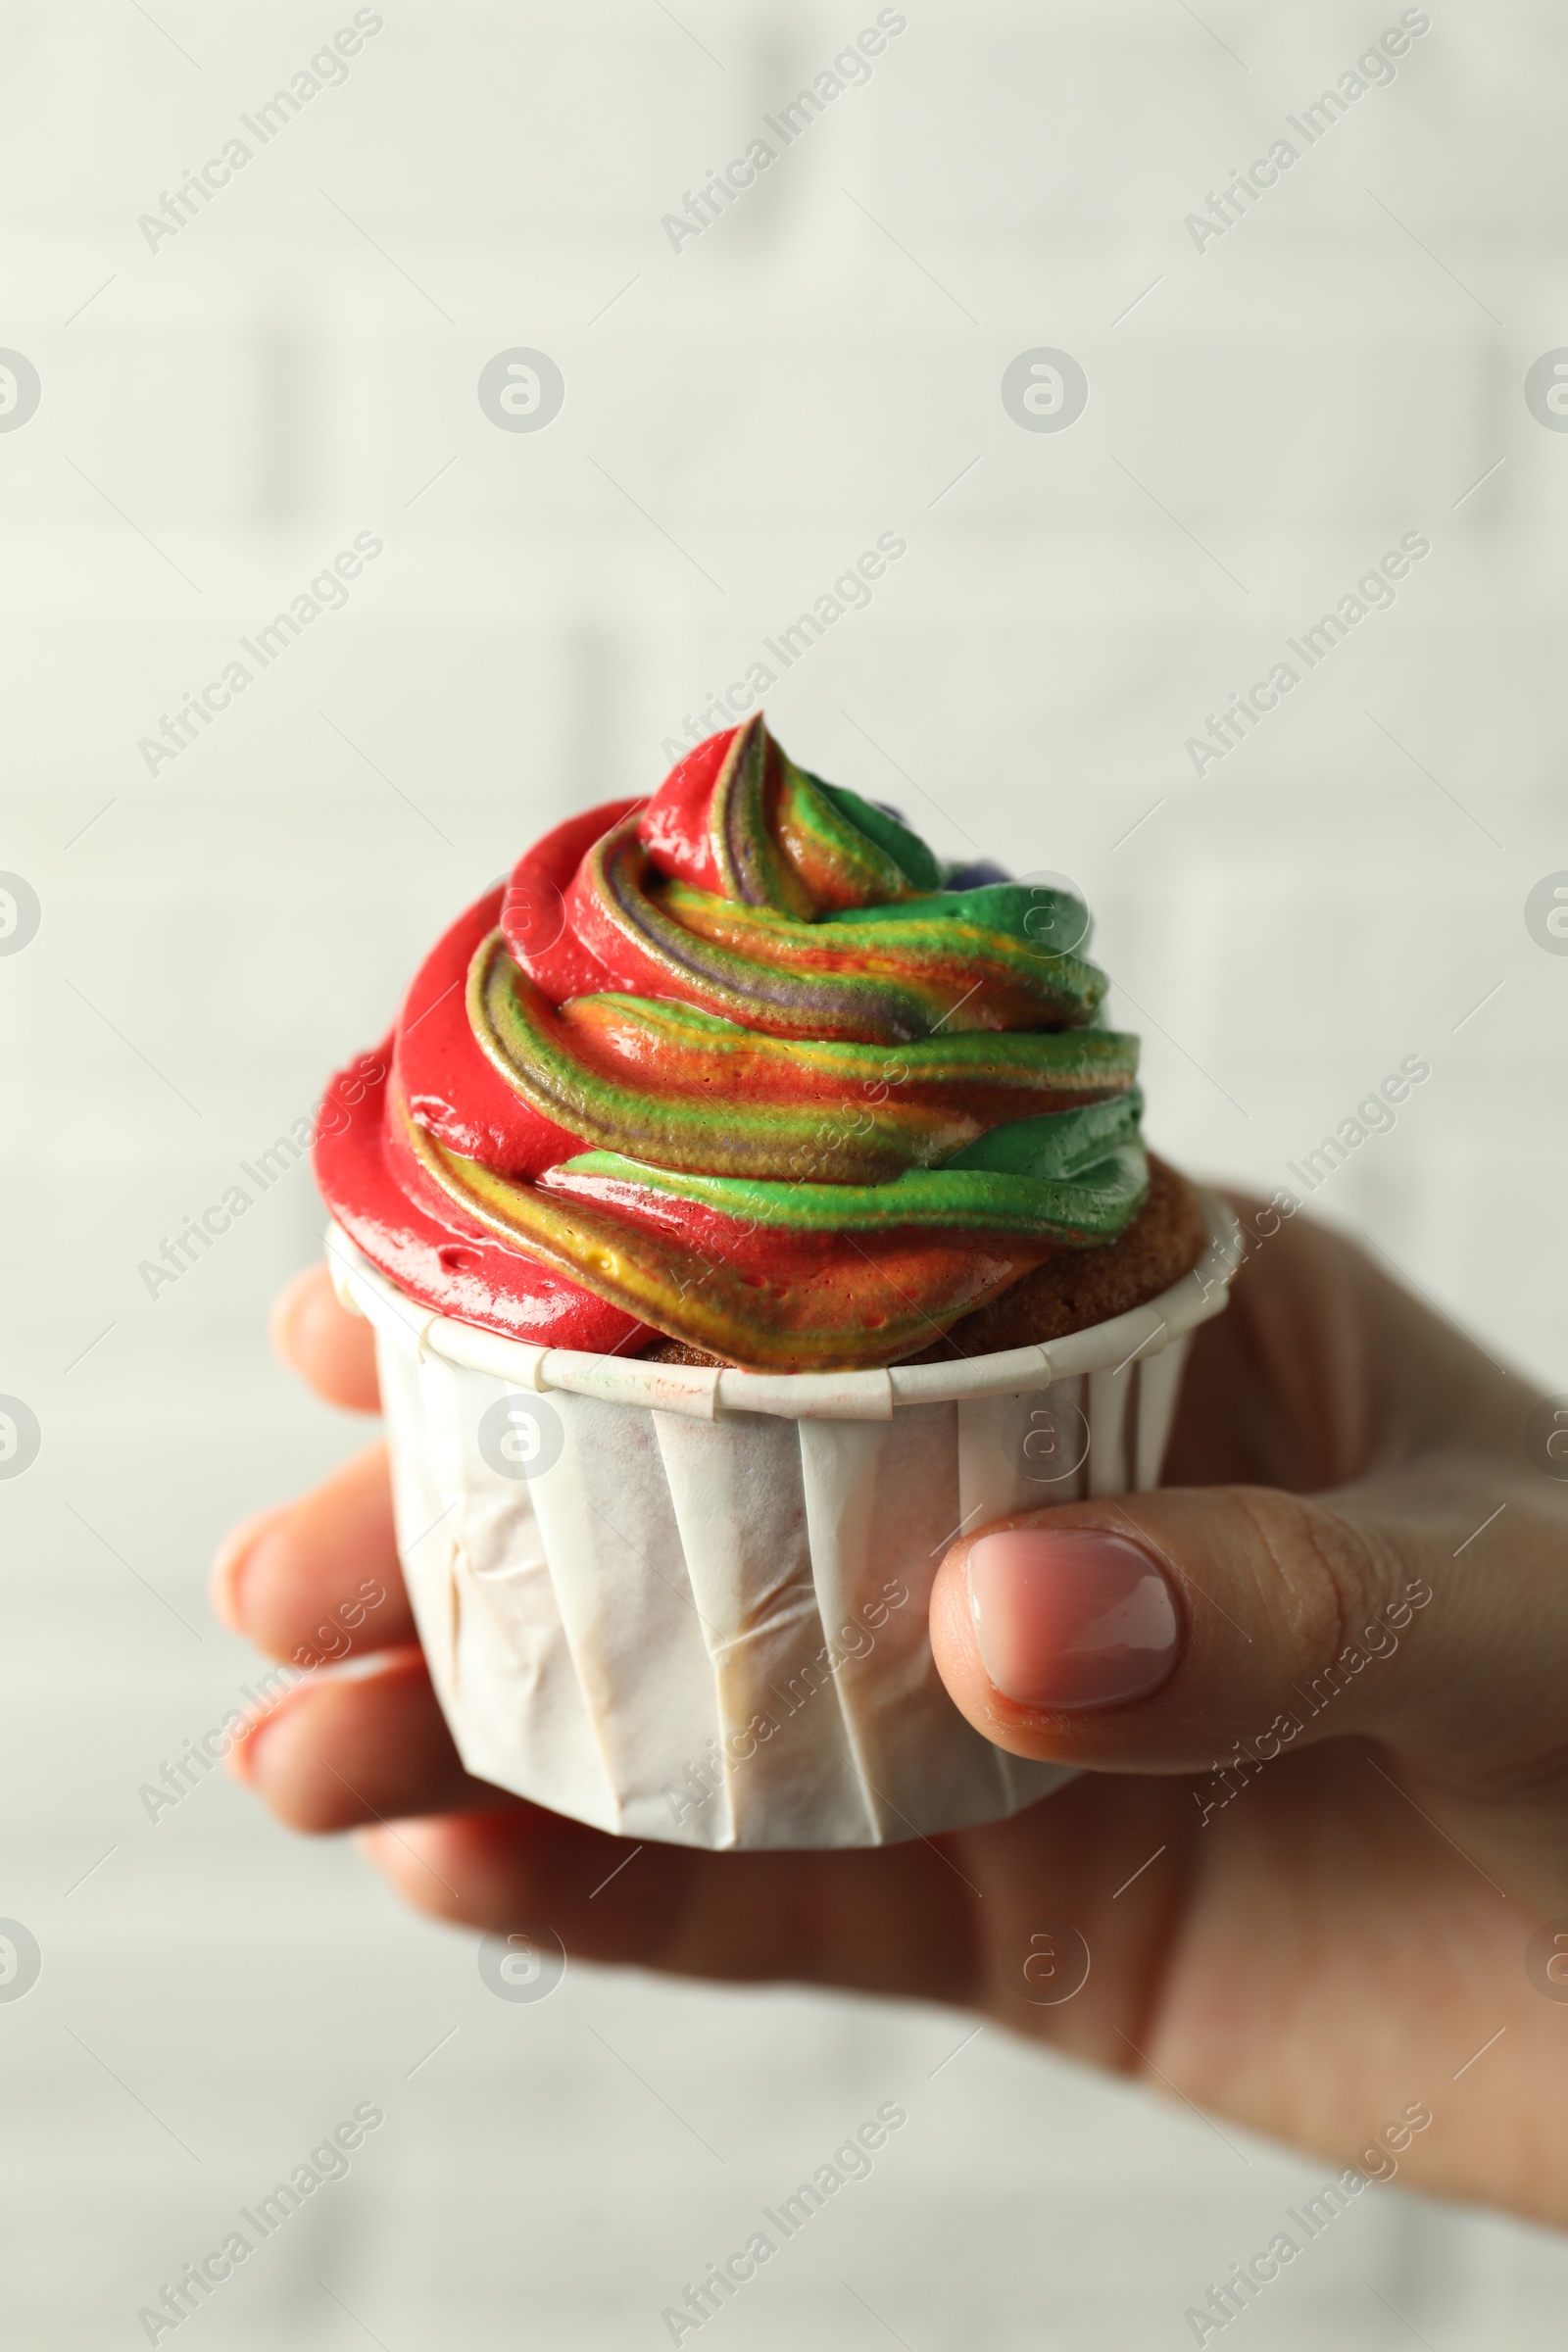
x: 742, y: 1064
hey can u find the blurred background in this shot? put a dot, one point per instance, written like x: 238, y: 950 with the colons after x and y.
x: 203, y: 398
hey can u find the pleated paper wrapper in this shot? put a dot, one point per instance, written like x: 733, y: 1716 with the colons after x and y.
x: 689, y: 1604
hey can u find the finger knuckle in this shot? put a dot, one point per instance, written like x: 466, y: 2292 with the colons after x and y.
x: 1328, y: 1575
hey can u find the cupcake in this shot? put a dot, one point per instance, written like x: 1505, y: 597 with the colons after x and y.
x: 747, y: 1202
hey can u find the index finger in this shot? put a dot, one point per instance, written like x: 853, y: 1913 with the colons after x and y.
x: 332, y: 1351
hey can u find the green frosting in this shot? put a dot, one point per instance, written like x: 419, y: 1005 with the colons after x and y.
x: 1074, y: 1176
x: 906, y: 849
x: 1055, y: 1143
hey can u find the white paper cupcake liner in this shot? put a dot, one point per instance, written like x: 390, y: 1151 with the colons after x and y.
x: 689, y: 1604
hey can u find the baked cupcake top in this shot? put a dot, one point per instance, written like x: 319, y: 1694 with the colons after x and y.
x: 744, y: 1065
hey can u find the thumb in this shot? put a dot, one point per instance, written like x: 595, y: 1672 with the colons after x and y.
x: 1162, y: 1631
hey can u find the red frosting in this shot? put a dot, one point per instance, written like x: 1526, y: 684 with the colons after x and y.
x: 533, y: 914
x: 372, y: 1182
x: 674, y: 832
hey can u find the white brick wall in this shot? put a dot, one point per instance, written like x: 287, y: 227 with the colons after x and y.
x: 269, y: 383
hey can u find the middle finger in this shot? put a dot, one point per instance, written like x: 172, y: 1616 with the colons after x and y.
x: 319, y: 1581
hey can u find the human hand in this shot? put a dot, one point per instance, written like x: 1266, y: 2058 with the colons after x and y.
x: 1348, y: 1595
